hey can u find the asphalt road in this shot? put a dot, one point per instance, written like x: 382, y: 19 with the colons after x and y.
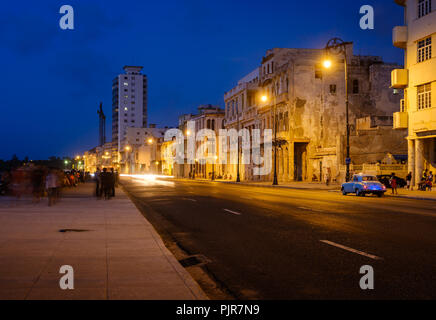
x: 268, y: 243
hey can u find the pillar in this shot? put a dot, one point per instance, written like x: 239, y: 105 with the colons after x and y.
x: 419, y: 159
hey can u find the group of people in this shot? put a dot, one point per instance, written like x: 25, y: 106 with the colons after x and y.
x: 426, y: 181
x: 106, y: 181
x: 39, y: 181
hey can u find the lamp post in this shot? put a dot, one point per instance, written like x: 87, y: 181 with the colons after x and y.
x: 264, y: 98
x: 338, y: 46
x: 215, y: 158
x: 238, y: 177
x: 128, y: 148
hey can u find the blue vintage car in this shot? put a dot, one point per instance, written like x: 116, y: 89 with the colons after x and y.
x: 363, y: 184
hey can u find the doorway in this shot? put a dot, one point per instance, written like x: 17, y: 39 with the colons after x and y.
x: 300, y: 163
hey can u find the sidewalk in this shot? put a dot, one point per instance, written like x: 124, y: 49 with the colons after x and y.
x: 117, y: 255
x: 415, y: 194
x: 287, y: 185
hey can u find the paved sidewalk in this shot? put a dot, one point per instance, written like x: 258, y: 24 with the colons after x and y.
x: 120, y: 256
x: 414, y: 194
x: 287, y: 185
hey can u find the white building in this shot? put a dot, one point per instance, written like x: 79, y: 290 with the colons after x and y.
x: 142, y: 150
x: 129, y: 103
x: 418, y: 79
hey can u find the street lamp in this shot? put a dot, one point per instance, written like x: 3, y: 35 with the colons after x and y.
x: 264, y: 98
x: 213, y: 167
x: 128, y: 148
x: 338, y: 46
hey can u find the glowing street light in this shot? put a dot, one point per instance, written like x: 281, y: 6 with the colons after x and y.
x: 327, y: 64
x: 150, y: 141
x: 264, y: 98
x: 127, y: 148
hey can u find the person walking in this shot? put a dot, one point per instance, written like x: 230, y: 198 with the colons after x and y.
x: 430, y: 181
x: 113, y: 182
x: 393, y: 183
x: 97, y: 178
x: 409, y: 180
x: 106, y: 182
x: 51, y: 184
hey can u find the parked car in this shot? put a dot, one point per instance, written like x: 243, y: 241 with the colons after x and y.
x: 384, y: 178
x: 363, y: 184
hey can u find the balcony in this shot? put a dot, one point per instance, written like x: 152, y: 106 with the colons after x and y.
x: 399, y: 37
x: 400, y: 120
x: 399, y: 78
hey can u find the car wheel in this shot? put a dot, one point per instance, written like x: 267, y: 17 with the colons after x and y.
x: 380, y: 194
x: 343, y: 192
x: 357, y: 193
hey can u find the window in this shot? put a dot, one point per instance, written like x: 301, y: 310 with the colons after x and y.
x: 332, y: 89
x: 126, y: 84
x: 424, y: 96
x: 355, y: 86
x: 424, y: 7
x: 424, y: 49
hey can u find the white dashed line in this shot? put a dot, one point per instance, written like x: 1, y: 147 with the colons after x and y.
x: 193, y: 200
x: 371, y: 256
x: 233, y: 212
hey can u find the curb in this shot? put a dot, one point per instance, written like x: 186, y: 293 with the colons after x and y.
x: 190, y: 283
x: 257, y: 185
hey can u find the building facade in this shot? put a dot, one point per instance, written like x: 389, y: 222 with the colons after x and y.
x: 142, y: 150
x: 208, y: 117
x: 418, y: 79
x: 291, y: 91
x: 129, y: 104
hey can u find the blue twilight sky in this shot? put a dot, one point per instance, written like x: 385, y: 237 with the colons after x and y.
x: 192, y: 52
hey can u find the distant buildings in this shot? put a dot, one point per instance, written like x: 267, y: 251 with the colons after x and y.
x: 208, y: 117
x: 418, y: 79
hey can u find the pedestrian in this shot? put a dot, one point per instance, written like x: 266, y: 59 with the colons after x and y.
x: 97, y: 178
x: 113, y: 182
x: 106, y: 182
x: 409, y: 180
x: 51, y: 184
x: 38, y: 184
x: 430, y: 181
x: 393, y: 183
x: 328, y: 176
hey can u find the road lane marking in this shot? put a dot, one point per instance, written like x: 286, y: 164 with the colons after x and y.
x: 371, y: 256
x: 233, y: 212
x: 310, y: 209
x: 193, y: 200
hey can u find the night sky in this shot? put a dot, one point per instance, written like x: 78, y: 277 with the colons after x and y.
x: 192, y: 52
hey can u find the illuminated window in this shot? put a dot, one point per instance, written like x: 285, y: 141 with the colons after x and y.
x: 126, y: 84
x: 125, y: 109
x: 424, y: 49
x: 424, y: 96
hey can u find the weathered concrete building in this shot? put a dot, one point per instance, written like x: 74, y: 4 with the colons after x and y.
x: 208, y: 117
x: 308, y: 105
